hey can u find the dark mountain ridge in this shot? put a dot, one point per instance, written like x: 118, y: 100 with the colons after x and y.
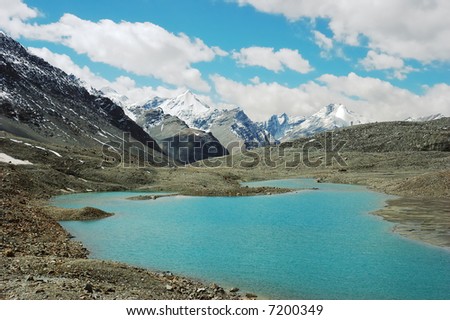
x: 41, y: 102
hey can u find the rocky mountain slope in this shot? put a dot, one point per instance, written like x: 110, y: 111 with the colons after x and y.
x: 180, y: 142
x: 191, y: 145
x: 279, y: 126
x: 160, y: 125
x: 41, y: 102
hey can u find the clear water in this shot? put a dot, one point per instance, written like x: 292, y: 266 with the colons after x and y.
x: 307, y: 245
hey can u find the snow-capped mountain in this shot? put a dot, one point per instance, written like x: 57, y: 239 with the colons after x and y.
x: 277, y: 125
x: 45, y: 103
x: 280, y: 125
x: 231, y: 126
x: 177, y: 139
x: 426, y: 118
x: 109, y: 92
x: 328, y: 118
x: 135, y: 112
x: 227, y: 125
x: 186, y: 106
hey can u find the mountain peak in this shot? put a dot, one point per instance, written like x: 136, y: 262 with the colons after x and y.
x: 283, y: 118
x: 334, y: 111
x: 188, y: 98
x: 334, y: 108
x: 187, y: 106
x: 187, y: 93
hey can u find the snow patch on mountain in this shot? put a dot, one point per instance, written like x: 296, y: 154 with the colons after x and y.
x: 426, y: 118
x: 8, y: 159
x: 115, y: 96
x: 328, y: 118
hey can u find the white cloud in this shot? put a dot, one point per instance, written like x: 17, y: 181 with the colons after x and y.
x: 255, y: 80
x: 375, y: 99
x: 402, y: 73
x: 220, y: 52
x: 381, y: 61
x: 65, y: 63
x: 409, y: 29
x: 12, y: 14
x: 272, y: 60
x: 380, y: 100
x: 124, y: 86
x: 328, y: 46
x: 323, y: 41
x: 138, y: 95
x: 140, y: 48
x: 261, y: 100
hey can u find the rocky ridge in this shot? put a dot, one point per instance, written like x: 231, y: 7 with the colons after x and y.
x: 41, y: 102
x: 390, y: 136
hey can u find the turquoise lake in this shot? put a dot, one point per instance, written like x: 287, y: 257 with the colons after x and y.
x: 310, y: 244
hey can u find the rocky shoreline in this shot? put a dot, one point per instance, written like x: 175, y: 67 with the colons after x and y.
x: 41, y: 261
x: 425, y: 220
x: 50, y: 277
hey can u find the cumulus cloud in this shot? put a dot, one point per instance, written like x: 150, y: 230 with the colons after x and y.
x: 272, y: 60
x: 328, y: 46
x: 140, y: 48
x: 123, y: 86
x: 402, y: 73
x: 261, y: 100
x: 373, y: 98
x: 417, y: 29
x: 65, y: 63
x: 381, y: 61
x: 13, y: 13
x: 138, y: 95
x: 255, y: 80
x: 323, y: 42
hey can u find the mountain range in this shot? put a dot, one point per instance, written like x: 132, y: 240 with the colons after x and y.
x: 232, y: 126
x: 43, y: 103
x: 229, y: 126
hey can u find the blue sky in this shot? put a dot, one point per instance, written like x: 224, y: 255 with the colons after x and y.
x: 385, y: 61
